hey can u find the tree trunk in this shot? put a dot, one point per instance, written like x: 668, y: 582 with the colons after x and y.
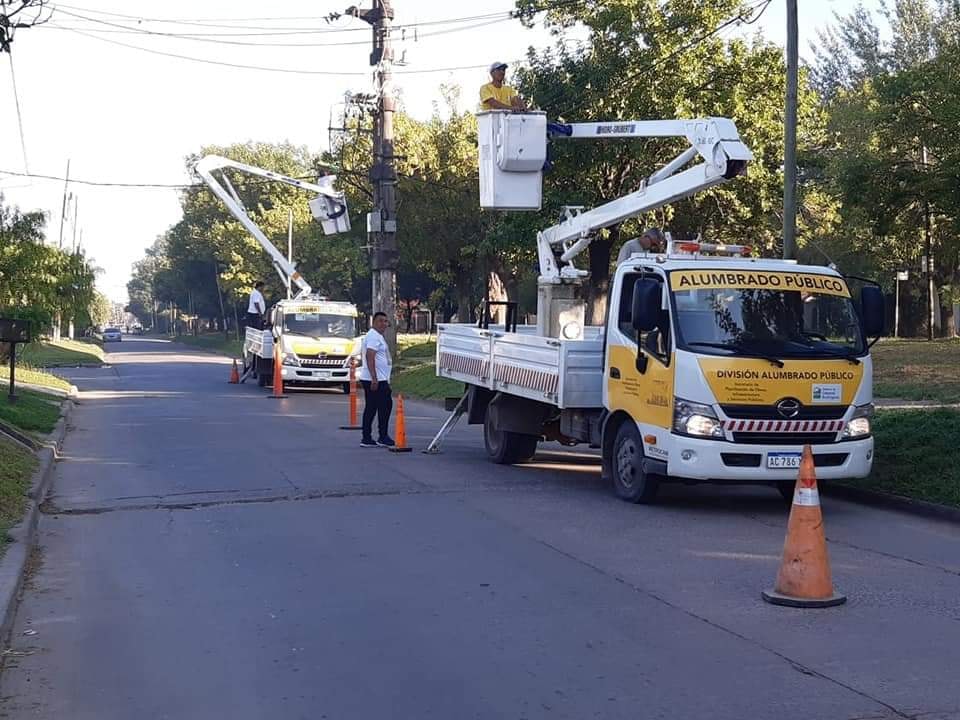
x: 598, y: 284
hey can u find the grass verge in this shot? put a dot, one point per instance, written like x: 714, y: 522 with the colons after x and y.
x: 917, y: 370
x: 33, y: 412
x: 213, y: 342
x: 34, y: 377
x: 914, y: 455
x: 16, y: 468
x: 422, y: 382
x: 62, y: 352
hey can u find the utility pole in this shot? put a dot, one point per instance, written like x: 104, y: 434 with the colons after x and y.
x: 790, y: 137
x: 63, y: 209
x: 928, y: 257
x: 289, y: 248
x: 382, y: 221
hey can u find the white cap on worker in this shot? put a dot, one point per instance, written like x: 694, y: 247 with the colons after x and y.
x: 497, y: 66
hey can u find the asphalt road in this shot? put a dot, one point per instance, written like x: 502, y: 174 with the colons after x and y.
x: 210, y: 553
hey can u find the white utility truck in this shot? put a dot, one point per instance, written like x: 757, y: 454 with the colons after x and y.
x: 713, y: 365
x: 317, y: 337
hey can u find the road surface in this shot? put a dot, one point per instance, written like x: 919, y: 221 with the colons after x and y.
x: 209, y: 553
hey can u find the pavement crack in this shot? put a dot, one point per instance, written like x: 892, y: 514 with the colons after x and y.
x: 861, y: 548
x: 795, y: 664
x: 49, y: 508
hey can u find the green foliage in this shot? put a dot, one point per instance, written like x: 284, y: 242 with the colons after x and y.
x: 915, y: 370
x: 16, y: 468
x: 37, y: 281
x: 651, y: 59
x: 33, y: 412
x: 61, y: 352
x: 914, y: 453
x: 891, y: 159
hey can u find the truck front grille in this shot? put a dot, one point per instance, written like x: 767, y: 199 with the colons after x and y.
x: 770, y: 412
x: 781, y: 438
x: 325, y: 361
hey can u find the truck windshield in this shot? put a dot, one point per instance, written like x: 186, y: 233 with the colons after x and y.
x: 780, y: 323
x: 319, y: 325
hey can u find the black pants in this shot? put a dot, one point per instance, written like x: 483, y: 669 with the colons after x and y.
x: 377, y: 402
x: 255, y: 320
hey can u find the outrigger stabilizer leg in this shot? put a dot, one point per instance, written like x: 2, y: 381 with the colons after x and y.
x: 434, y: 447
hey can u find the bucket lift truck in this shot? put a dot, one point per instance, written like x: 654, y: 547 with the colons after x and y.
x: 712, y: 365
x: 317, y: 337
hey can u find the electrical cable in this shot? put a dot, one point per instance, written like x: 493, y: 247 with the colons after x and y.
x: 216, y: 40
x: 16, y: 100
x: 289, y: 71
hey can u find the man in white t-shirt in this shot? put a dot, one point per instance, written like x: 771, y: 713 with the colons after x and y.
x: 256, y: 307
x: 375, y: 379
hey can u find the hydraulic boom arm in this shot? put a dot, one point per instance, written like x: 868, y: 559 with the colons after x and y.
x: 715, y: 140
x: 330, y: 208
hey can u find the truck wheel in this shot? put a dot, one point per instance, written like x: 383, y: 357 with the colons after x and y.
x: 264, y: 373
x: 630, y: 482
x: 505, y: 447
x: 346, y: 388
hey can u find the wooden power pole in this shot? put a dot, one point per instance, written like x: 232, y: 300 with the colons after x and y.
x: 790, y: 137
x: 382, y: 220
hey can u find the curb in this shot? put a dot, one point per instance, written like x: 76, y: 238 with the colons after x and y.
x: 875, y: 498
x: 13, y: 564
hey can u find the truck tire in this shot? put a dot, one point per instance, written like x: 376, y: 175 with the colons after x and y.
x: 507, y: 448
x: 346, y: 388
x: 264, y: 373
x: 630, y: 481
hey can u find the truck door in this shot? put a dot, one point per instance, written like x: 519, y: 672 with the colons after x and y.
x: 640, y: 367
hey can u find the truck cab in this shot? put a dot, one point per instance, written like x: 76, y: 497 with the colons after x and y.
x: 722, y: 368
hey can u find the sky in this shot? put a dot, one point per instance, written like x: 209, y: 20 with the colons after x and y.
x: 124, y: 115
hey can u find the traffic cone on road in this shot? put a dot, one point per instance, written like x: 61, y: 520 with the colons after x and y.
x: 353, y: 425
x: 234, y: 374
x: 277, y: 374
x: 400, y: 433
x: 804, y: 578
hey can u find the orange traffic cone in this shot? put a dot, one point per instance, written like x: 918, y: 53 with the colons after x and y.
x: 804, y: 578
x: 401, y: 429
x: 234, y: 374
x: 277, y: 374
x: 353, y: 425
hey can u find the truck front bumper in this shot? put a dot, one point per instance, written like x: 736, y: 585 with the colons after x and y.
x: 315, y: 376
x: 718, y: 460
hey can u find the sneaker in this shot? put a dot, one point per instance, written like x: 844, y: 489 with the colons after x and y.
x: 367, y: 443
x: 386, y: 442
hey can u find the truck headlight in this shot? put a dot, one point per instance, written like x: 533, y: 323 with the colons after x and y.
x: 289, y: 359
x: 858, y: 426
x: 696, y: 419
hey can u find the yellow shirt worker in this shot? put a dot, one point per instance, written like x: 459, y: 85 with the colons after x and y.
x: 495, y: 95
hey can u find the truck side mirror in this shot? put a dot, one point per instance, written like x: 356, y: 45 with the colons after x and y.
x: 645, y: 310
x: 873, y: 311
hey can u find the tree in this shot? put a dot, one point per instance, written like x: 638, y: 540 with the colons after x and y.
x: 16, y: 14
x: 662, y: 59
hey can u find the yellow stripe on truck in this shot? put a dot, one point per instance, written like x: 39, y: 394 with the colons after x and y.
x: 758, y: 280
x: 747, y: 381
x: 647, y: 398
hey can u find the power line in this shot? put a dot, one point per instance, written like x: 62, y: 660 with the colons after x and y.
x: 505, y: 14
x: 199, y: 37
x: 289, y: 71
x: 16, y: 100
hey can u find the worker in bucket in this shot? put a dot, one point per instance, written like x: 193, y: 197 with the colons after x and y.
x: 652, y: 241
x: 497, y: 95
x: 256, y: 306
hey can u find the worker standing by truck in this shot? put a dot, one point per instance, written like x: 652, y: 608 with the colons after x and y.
x: 375, y: 379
